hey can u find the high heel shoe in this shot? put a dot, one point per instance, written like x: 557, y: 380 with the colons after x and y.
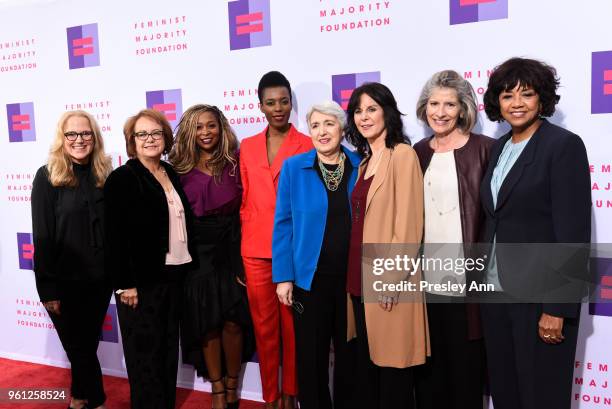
x: 219, y: 393
x: 232, y: 390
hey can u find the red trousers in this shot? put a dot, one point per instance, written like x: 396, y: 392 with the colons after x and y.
x: 273, y: 325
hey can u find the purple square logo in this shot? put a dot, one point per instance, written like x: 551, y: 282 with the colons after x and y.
x: 471, y: 11
x: 602, y: 267
x: 25, y: 249
x: 110, y: 331
x: 601, y: 83
x: 83, y: 46
x: 21, y: 122
x: 344, y: 84
x: 169, y: 102
x: 249, y: 24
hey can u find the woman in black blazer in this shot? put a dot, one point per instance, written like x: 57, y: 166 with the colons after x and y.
x: 148, y: 230
x: 67, y: 222
x: 535, y: 191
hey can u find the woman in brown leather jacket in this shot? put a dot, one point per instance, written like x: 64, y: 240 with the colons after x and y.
x: 453, y: 161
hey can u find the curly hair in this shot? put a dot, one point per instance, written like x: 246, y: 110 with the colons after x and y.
x: 59, y: 164
x: 392, y: 115
x: 185, y: 154
x: 526, y: 73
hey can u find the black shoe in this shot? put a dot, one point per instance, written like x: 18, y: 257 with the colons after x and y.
x: 231, y: 405
x: 221, y: 392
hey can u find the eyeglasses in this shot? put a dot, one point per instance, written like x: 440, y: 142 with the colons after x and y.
x: 73, y: 136
x: 143, y: 136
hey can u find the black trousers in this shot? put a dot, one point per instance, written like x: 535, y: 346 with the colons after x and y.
x: 456, y: 365
x: 379, y: 387
x: 79, y: 326
x: 524, y: 371
x: 150, y: 335
x: 322, y: 321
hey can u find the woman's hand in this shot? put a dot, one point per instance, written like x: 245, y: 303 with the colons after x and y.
x: 387, y: 302
x: 53, y: 306
x: 284, y: 291
x: 550, y: 329
x: 129, y: 297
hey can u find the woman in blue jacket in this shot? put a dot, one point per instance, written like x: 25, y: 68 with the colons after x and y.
x: 310, y: 251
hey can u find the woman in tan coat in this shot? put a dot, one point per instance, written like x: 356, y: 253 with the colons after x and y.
x: 387, y: 208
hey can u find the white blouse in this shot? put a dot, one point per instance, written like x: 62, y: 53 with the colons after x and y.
x: 442, y: 220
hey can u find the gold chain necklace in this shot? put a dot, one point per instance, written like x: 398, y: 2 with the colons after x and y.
x: 332, y: 178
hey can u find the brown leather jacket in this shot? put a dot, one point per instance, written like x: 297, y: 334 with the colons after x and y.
x: 471, y: 161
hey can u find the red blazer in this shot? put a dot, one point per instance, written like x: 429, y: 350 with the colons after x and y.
x: 260, y: 183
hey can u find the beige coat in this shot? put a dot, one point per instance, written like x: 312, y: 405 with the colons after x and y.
x: 394, y: 214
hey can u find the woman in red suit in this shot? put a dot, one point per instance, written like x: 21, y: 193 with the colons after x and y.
x: 261, y: 159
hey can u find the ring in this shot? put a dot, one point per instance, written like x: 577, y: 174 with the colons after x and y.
x: 547, y: 336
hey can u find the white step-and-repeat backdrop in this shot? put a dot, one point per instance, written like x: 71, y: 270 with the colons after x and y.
x: 114, y: 58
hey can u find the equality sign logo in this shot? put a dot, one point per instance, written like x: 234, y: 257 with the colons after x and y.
x: 83, y: 46
x: 21, y: 122
x: 25, y: 249
x: 470, y: 11
x: 601, y: 83
x: 602, y: 267
x: 169, y: 102
x: 344, y: 84
x: 110, y: 330
x: 249, y: 24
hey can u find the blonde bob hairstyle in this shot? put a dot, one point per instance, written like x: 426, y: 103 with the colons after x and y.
x: 59, y: 165
x: 185, y: 154
x: 465, y: 94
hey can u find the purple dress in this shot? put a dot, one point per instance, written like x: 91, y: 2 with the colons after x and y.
x: 212, y: 294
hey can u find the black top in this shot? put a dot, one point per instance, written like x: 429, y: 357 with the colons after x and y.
x: 137, y: 224
x: 334, y: 249
x: 67, y: 225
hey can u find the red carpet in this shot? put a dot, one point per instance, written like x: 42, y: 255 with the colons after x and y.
x: 24, y: 374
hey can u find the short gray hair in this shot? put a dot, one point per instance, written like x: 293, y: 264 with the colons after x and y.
x: 328, y: 108
x: 465, y: 94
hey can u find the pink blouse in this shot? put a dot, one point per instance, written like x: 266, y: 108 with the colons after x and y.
x: 178, y: 252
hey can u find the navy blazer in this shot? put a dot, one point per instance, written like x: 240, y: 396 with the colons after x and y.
x: 300, y: 218
x: 545, y: 198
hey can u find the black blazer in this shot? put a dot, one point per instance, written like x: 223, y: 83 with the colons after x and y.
x: 545, y: 198
x: 137, y: 225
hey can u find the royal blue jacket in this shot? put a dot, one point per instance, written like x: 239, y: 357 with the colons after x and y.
x: 300, y: 218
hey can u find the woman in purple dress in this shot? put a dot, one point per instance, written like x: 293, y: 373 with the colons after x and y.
x: 216, y: 315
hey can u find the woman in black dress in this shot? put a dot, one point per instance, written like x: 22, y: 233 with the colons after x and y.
x: 216, y: 314
x: 67, y: 221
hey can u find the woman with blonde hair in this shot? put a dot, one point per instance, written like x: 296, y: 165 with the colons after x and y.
x: 216, y: 314
x: 67, y: 223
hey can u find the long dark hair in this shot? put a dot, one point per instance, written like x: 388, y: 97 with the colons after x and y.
x: 393, y: 117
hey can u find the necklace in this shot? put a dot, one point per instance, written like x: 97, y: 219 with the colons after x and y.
x: 332, y: 178
x: 437, y: 202
x: 373, y: 164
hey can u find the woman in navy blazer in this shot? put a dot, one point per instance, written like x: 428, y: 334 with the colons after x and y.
x: 536, y: 192
x: 310, y: 251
